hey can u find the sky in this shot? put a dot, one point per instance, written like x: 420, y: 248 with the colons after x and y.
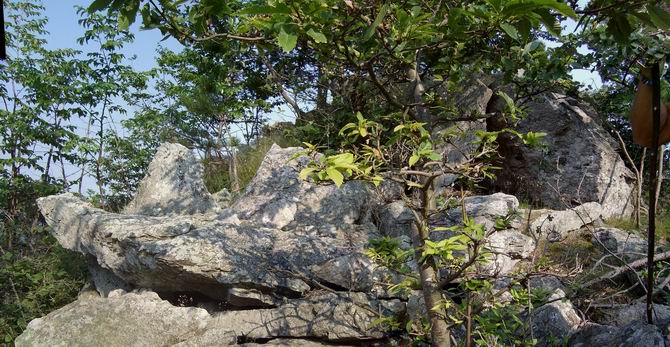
x: 64, y: 29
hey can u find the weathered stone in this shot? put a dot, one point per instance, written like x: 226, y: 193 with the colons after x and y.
x: 329, y: 317
x: 133, y: 319
x: 484, y: 209
x: 355, y: 272
x: 555, y: 225
x: 549, y: 284
x: 390, y: 191
x: 624, y: 314
x: 104, y: 280
x: 287, y: 342
x: 185, y: 253
x: 637, y: 333
x: 143, y: 319
x: 277, y: 197
x: 395, y: 220
x: 456, y: 143
x: 507, y: 247
x: 627, y: 245
x: 553, y: 323
x: 173, y: 185
x: 473, y: 97
x: 223, y: 197
x: 579, y: 164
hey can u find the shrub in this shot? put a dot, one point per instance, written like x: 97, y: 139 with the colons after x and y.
x: 36, y: 282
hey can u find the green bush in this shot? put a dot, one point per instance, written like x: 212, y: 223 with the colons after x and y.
x: 36, y: 279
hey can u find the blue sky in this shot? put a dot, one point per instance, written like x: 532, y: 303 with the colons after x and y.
x: 64, y: 29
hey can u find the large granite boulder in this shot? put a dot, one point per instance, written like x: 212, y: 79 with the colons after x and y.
x: 187, y: 253
x: 274, y: 240
x: 579, y: 163
x: 144, y: 319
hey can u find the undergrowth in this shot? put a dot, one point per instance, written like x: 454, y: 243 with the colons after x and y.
x: 35, y: 279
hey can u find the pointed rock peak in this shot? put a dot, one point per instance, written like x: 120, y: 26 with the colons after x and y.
x: 173, y: 185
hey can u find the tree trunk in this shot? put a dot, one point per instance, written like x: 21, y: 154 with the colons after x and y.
x: 429, y: 276
x: 639, y: 190
x: 659, y: 179
x: 232, y: 171
x: 432, y: 293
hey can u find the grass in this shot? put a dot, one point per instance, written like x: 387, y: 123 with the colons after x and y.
x: 36, y: 282
x: 662, y: 225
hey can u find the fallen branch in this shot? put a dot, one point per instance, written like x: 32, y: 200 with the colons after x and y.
x: 622, y: 269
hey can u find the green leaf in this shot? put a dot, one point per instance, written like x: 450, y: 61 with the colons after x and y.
x: 266, y: 9
x: 98, y: 5
x: 619, y: 27
x: 510, y: 30
x: 124, y: 22
x: 413, y: 184
x: 318, y: 36
x: 659, y: 17
x: 378, y: 20
x: 414, y: 159
x: 550, y: 22
x: 335, y: 175
x: 287, y: 41
x: 304, y: 173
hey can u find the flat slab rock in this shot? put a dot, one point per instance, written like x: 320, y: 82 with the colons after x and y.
x: 206, y: 255
x: 282, y: 234
x: 144, y: 319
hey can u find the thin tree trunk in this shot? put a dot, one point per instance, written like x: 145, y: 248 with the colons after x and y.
x: 98, y: 170
x: 659, y: 180
x: 429, y: 276
x: 639, y: 189
x: 66, y: 184
x: 232, y: 171
x: 83, y: 165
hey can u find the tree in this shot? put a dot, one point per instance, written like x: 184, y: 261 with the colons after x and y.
x: 398, y: 64
x: 39, y: 93
x: 106, y: 81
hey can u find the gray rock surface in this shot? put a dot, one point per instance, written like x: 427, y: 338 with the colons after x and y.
x: 173, y: 185
x: 187, y: 253
x: 634, y: 334
x: 554, y: 322
x: 277, y: 197
x: 144, y: 319
x: 484, y: 209
x: 104, y: 280
x: 579, y: 164
x: 627, y: 245
x: 133, y: 319
x: 395, y: 220
x: 625, y: 314
x: 550, y: 284
x: 555, y: 225
x: 507, y: 248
